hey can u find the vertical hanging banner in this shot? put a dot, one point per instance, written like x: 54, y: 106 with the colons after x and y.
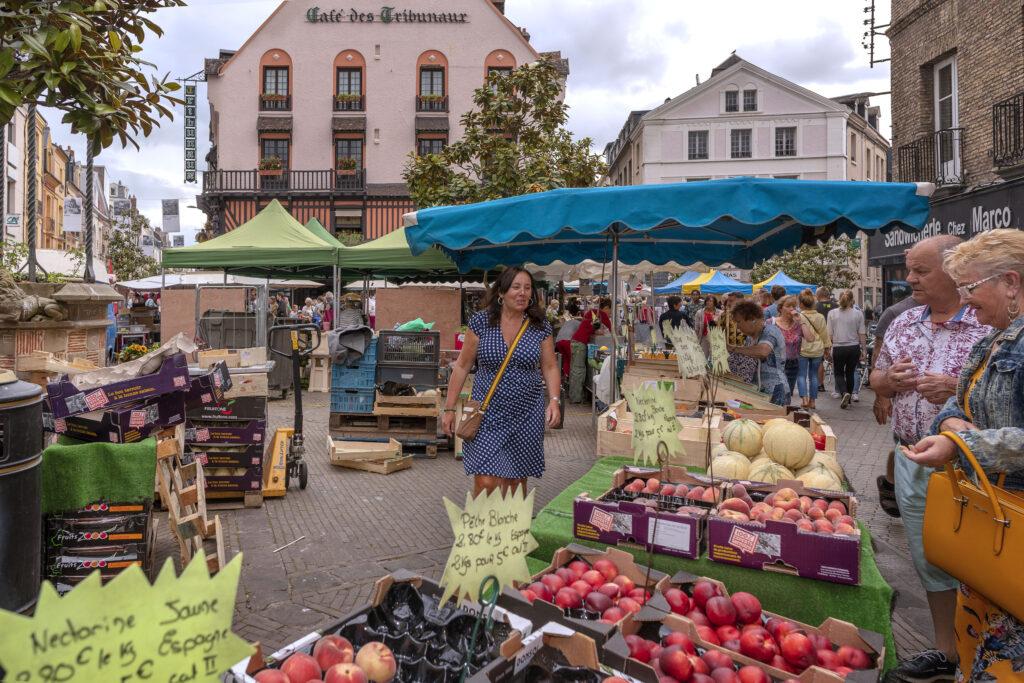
x: 172, y: 222
x: 72, y: 214
x: 190, y: 133
x: 122, y: 208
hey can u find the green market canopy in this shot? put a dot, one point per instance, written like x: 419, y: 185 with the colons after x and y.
x: 390, y: 255
x: 271, y: 244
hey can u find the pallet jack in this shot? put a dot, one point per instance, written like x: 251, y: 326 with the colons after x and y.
x: 287, y: 448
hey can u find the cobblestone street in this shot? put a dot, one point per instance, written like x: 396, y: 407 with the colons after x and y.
x: 355, y: 527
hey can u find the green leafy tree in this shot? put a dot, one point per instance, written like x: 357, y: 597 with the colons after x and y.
x: 515, y: 142
x: 833, y: 263
x: 126, y: 256
x: 83, y: 57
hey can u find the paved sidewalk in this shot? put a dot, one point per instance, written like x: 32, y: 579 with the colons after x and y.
x: 359, y: 526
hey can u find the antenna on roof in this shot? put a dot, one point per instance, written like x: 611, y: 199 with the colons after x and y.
x: 697, y: 77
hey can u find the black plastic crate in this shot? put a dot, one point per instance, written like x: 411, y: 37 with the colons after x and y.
x: 421, y: 349
x: 415, y: 375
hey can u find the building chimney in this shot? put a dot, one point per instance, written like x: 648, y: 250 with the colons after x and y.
x: 500, y: 4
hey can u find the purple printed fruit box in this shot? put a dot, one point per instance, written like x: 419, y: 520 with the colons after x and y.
x: 238, y: 433
x: 66, y: 399
x: 240, y: 479
x: 225, y: 456
x: 209, y: 388
x: 664, y: 524
x: 245, y: 408
x: 780, y: 546
x: 122, y: 424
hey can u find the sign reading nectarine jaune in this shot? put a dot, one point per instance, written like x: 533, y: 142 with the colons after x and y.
x: 654, y: 421
x: 492, y: 538
x: 719, y: 351
x: 689, y: 356
x: 177, y: 629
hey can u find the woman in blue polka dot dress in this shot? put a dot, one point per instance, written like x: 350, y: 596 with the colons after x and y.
x: 509, y: 446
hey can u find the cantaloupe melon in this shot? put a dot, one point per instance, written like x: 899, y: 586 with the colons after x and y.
x: 730, y: 465
x: 820, y: 477
x: 718, y: 449
x: 743, y: 436
x: 774, y: 422
x: 789, y: 445
x: 768, y: 471
x: 828, y: 460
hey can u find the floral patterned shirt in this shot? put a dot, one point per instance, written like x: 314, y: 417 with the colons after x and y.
x: 942, y: 349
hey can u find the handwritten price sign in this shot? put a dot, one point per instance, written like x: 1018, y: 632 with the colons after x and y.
x: 654, y: 422
x: 492, y: 538
x: 178, y: 629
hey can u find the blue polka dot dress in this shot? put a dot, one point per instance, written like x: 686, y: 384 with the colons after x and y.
x: 510, y: 441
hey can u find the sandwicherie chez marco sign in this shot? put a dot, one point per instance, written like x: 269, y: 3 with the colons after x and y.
x: 386, y: 15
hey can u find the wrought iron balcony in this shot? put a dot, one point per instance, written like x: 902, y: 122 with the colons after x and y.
x: 1008, y: 132
x: 432, y: 103
x: 349, y: 103
x: 271, y: 102
x: 936, y: 158
x: 285, y: 181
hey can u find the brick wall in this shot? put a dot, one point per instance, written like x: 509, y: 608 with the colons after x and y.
x: 988, y: 40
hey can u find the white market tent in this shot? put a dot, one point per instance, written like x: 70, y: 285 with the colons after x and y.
x: 157, y: 282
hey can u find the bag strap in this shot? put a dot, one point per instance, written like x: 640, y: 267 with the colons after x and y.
x: 997, y: 509
x: 504, y: 364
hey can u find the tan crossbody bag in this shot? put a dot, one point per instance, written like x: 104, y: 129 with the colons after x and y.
x: 473, y: 411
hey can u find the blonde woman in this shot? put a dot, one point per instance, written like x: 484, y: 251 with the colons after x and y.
x: 795, y: 329
x: 812, y: 351
x: 987, y: 412
x: 845, y: 327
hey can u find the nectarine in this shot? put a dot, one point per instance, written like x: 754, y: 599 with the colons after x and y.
x: 345, y: 673
x: 301, y: 667
x: 377, y: 660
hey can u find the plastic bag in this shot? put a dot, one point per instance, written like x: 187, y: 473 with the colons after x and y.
x: 416, y: 325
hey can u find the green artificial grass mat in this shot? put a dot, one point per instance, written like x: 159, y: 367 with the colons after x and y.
x: 868, y: 605
x: 77, y: 473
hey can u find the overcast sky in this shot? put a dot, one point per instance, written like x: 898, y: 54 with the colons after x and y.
x: 623, y: 55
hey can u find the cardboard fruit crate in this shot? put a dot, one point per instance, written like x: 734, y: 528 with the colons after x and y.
x: 248, y: 408
x: 233, y: 358
x: 213, y: 432
x: 615, y: 434
x: 582, y: 620
x: 608, y: 518
x: 649, y: 623
x: 506, y: 622
x: 67, y: 399
x: 121, y: 424
x: 780, y: 546
x: 225, y: 455
x: 210, y: 387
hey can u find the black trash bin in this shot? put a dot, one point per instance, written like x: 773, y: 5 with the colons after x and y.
x: 21, y: 453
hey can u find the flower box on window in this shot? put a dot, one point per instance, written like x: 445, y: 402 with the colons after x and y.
x: 348, y: 97
x: 431, y: 98
x: 273, y: 97
x: 271, y: 166
x: 346, y: 166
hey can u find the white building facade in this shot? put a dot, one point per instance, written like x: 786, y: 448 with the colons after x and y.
x: 742, y: 121
x: 13, y: 211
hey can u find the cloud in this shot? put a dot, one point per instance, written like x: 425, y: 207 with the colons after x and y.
x: 835, y: 59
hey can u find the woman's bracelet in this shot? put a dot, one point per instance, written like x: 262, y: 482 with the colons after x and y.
x: 449, y: 410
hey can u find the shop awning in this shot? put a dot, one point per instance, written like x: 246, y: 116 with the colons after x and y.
x: 271, y: 244
x: 737, y: 220
x: 781, y: 279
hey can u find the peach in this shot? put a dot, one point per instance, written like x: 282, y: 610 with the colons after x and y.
x: 846, y: 519
x: 629, y: 605
x: 733, y: 515
x: 593, y: 577
x: 327, y: 654
x: 681, y: 490
x: 824, y: 526
x: 695, y: 493
x: 301, y: 667
x: 778, y: 513
x: 668, y: 490
x: 735, y: 504
x: 805, y: 524
x: 845, y: 529
x: 816, y: 513
x: 554, y: 582
x: 377, y: 661
x: 711, y: 495
x: 833, y: 515
x: 578, y: 567
x: 613, y: 615
x: 635, y: 486
x: 820, y: 503
x: 607, y: 568
x: 838, y: 505
x: 566, y: 575
x: 786, y: 499
x: 624, y: 583
x: 653, y: 483
x: 805, y: 504
x: 793, y: 515
x: 581, y: 587
x: 757, y: 508
x: 271, y: 676
x: 345, y: 673
x: 739, y: 491
x: 769, y: 500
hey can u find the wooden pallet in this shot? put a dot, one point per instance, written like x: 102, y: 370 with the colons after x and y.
x: 182, y: 490
x: 377, y: 466
x: 406, y: 406
x: 368, y: 423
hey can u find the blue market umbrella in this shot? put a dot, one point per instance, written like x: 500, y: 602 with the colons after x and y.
x: 738, y: 221
x: 789, y: 284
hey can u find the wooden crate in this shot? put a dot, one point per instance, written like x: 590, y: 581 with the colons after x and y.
x: 413, y: 406
x: 388, y: 466
x: 368, y: 423
x: 363, y: 450
x: 694, y: 435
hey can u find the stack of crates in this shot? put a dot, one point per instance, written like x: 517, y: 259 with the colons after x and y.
x: 353, y: 387
x: 411, y: 358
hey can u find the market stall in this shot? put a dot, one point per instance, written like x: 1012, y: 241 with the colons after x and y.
x: 676, y: 286
x: 714, y: 282
x: 780, y: 279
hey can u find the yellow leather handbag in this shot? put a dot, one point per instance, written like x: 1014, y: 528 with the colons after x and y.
x: 976, y: 534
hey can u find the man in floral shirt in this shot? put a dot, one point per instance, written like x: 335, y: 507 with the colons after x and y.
x: 918, y: 367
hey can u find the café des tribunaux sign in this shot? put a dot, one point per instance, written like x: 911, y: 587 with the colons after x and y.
x: 386, y: 15
x: 997, y: 206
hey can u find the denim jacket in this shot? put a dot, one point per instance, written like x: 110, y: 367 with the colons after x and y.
x: 997, y: 404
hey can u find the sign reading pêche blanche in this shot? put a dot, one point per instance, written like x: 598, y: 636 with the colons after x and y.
x: 386, y: 15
